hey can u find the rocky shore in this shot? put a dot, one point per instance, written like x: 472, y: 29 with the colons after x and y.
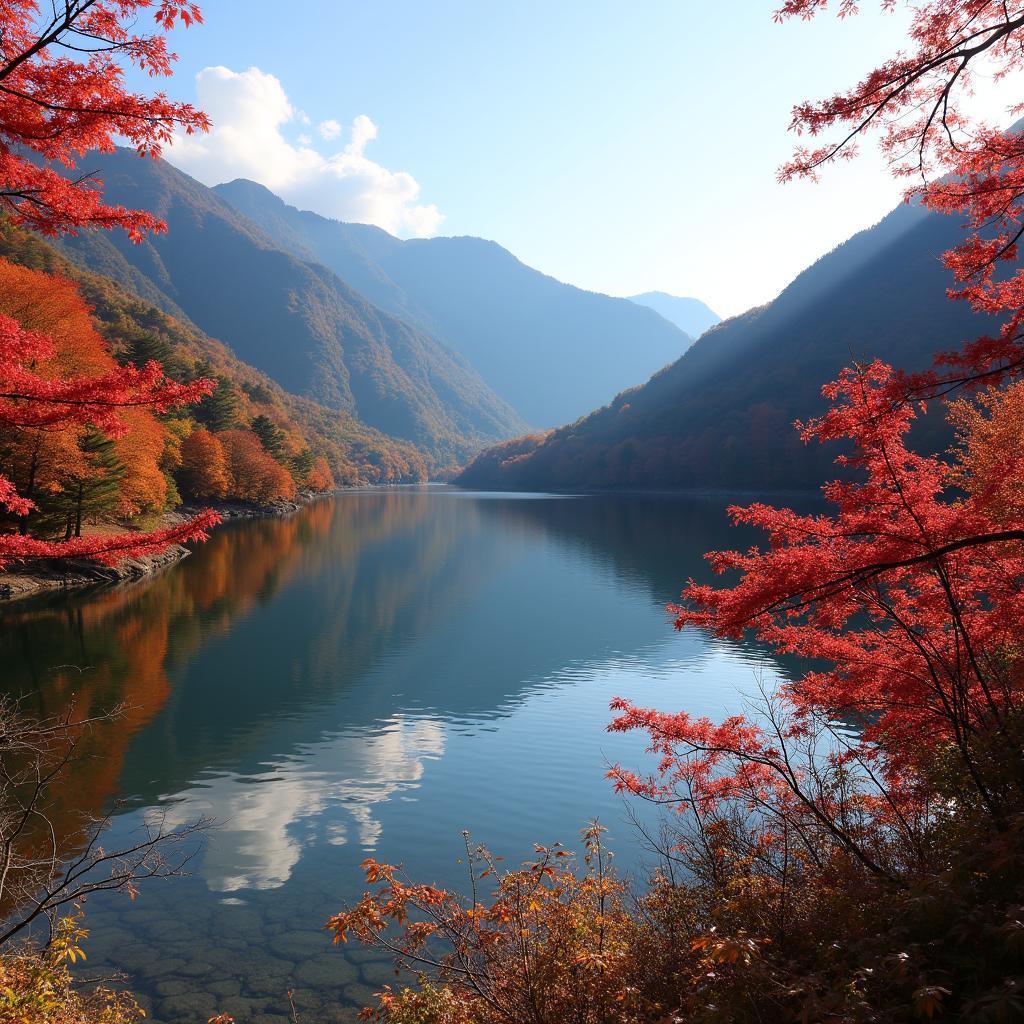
x: 46, y: 575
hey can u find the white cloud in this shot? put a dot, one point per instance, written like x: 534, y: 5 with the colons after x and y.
x: 329, y: 129
x: 249, y: 109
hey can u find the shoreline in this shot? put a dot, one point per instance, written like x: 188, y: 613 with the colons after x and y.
x: 48, y: 576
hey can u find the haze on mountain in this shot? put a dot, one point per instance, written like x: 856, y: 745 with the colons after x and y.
x: 294, y: 319
x: 550, y: 350
x: 721, y: 416
x: 688, y: 314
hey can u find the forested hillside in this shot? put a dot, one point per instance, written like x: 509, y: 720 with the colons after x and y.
x: 296, y: 321
x: 720, y: 417
x: 296, y: 432
x: 552, y: 351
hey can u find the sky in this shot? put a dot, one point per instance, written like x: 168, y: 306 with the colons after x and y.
x: 621, y: 147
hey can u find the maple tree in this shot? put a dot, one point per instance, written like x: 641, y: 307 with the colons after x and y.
x: 909, y: 590
x: 320, y: 477
x: 63, y: 93
x: 41, y: 395
x: 850, y: 848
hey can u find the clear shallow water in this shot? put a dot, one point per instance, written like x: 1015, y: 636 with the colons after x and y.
x: 369, y: 677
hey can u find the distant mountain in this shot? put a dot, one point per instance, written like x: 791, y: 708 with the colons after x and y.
x: 720, y: 417
x: 550, y: 350
x: 689, y: 315
x: 293, y: 319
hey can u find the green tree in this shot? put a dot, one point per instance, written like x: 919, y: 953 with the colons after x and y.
x: 219, y: 411
x: 96, y: 491
x: 271, y: 437
x: 302, y: 463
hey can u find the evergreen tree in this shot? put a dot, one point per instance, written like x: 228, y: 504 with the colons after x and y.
x: 271, y: 436
x: 88, y: 493
x: 258, y: 392
x: 99, y: 491
x: 219, y: 411
x: 302, y: 464
x: 144, y: 346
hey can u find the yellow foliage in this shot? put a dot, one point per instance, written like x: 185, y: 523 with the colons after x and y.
x: 36, y: 985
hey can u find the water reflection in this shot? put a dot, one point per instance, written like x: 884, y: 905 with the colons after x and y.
x: 268, y: 817
x: 376, y: 673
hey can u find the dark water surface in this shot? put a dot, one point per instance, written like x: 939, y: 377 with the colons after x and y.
x: 368, y: 677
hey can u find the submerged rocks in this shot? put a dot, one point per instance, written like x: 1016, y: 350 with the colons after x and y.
x: 297, y: 946
x: 327, y: 970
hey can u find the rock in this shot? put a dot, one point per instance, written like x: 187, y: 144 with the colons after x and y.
x: 166, y: 932
x: 173, y: 987
x: 268, y: 976
x: 327, y: 970
x: 241, y: 1008
x: 224, y: 987
x: 368, y: 954
x: 132, y: 957
x: 297, y: 946
x: 235, y: 920
x: 377, y: 973
x: 359, y: 995
x: 196, y: 969
x: 158, y: 968
x: 193, y: 1006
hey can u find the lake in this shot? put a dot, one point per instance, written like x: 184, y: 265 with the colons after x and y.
x: 370, y: 676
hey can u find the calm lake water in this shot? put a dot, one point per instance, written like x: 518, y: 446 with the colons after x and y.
x: 368, y: 677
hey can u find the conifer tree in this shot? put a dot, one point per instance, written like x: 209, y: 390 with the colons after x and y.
x: 218, y: 411
x: 271, y: 437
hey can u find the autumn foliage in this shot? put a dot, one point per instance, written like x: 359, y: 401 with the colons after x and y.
x: 851, y: 847
x: 63, y: 94
x: 253, y: 473
x: 204, y: 469
x: 549, y: 944
x: 58, y: 386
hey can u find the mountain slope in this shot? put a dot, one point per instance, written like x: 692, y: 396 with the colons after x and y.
x: 356, y: 453
x: 550, y: 350
x: 720, y: 416
x: 690, y: 315
x: 295, y: 320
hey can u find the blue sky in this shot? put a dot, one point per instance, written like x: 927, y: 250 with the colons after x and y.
x: 619, y: 146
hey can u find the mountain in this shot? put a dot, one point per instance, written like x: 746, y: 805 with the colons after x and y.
x: 690, y: 315
x: 720, y: 417
x: 295, y: 320
x: 551, y: 350
x: 136, y: 329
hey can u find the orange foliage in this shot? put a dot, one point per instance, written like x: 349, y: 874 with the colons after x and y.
x: 992, y: 436
x: 53, y: 306
x: 46, y: 461
x: 550, y: 936
x: 254, y: 475
x: 204, y: 467
x: 144, y: 488
x: 320, y: 476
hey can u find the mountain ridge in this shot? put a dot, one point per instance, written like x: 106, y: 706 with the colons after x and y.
x: 550, y: 349
x: 689, y: 314
x: 721, y: 416
x: 295, y: 320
